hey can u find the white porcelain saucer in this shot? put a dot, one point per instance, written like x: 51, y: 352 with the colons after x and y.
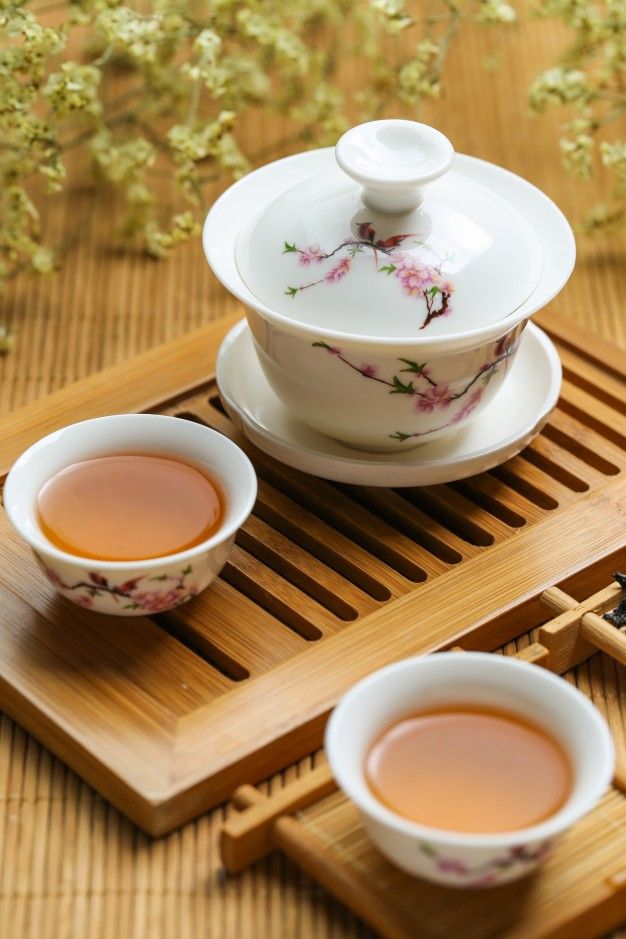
x: 508, y: 423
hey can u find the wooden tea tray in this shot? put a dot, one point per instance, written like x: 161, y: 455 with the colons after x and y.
x: 167, y: 715
x: 579, y: 892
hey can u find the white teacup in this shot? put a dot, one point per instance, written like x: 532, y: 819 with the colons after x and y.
x: 132, y: 588
x: 477, y: 679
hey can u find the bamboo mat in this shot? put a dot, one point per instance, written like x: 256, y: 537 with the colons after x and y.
x: 70, y: 866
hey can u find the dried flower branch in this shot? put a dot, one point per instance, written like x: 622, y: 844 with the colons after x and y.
x: 590, y: 80
x: 189, y: 71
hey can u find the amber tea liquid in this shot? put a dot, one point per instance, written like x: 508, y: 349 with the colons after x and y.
x: 129, y: 507
x: 469, y: 770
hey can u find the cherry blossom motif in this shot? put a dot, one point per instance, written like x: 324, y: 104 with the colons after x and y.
x: 417, y: 279
x: 169, y: 590
x: 54, y: 578
x: 416, y: 380
x: 437, y: 396
x: 338, y: 271
x: 451, y: 866
x: 311, y: 255
x: 489, y: 872
x: 158, y: 600
x: 468, y: 406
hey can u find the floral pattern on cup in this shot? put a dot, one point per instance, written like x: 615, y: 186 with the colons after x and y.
x: 148, y: 594
x: 430, y: 394
x: 491, y: 872
x: 425, y: 282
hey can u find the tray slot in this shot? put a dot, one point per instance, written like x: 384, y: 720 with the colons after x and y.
x: 498, y: 499
x: 216, y: 402
x: 302, y: 570
x: 358, y: 566
x: 594, y: 381
x: 565, y: 466
x: 586, y: 443
x: 226, y: 626
x: 441, y: 544
x: 530, y: 482
x: 543, y: 458
x: 464, y: 518
x: 276, y: 595
x: 593, y: 413
x: 555, y: 431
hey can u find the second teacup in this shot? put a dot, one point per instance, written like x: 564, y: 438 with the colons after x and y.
x: 475, y: 680
x: 138, y: 587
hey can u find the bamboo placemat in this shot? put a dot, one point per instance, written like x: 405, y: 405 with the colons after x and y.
x: 70, y: 866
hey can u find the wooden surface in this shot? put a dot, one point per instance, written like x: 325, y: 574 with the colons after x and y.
x: 326, y: 583
x: 70, y: 865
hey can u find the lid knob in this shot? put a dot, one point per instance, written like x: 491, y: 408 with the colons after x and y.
x: 393, y: 160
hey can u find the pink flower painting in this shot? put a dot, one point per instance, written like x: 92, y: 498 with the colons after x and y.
x: 423, y: 281
x: 156, y: 594
x: 417, y: 381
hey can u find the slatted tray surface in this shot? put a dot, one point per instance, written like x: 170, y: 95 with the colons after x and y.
x: 166, y: 715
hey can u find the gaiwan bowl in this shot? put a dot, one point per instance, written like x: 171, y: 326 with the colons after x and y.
x: 385, y: 315
x: 457, y: 859
x: 132, y: 588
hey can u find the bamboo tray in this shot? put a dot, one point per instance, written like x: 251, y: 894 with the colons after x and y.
x: 579, y: 892
x: 166, y: 716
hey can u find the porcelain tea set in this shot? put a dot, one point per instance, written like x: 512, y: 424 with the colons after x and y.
x: 388, y: 286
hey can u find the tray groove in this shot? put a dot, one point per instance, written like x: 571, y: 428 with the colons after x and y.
x: 325, y: 583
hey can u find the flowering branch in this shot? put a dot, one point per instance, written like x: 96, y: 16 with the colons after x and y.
x: 432, y: 395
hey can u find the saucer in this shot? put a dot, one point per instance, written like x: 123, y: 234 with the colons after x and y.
x: 516, y: 415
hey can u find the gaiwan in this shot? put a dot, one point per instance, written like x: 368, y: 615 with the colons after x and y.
x: 387, y: 291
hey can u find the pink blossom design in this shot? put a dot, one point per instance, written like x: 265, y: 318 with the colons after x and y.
x: 310, y: 255
x: 171, y: 591
x: 451, y: 866
x: 485, y: 881
x: 468, y: 406
x: 416, y: 278
x: 435, y: 396
x: 489, y: 872
x: 413, y: 277
x: 54, y: 578
x: 338, y: 271
x: 158, y: 600
x: 416, y: 380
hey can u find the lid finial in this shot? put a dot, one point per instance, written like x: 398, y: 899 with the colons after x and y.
x: 393, y: 160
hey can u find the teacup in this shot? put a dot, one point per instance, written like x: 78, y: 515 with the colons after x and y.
x: 479, y: 680
x: 132, y: 588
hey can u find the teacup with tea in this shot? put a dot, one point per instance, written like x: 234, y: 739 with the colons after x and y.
x: 467, y: 767
x: 131, y: 514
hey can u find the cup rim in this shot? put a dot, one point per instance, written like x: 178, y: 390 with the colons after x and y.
x: 555, y: 824
x: 235, y: 284
x: 42, y: 544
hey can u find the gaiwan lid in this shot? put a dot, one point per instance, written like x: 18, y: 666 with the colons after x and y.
x: 365, y: 249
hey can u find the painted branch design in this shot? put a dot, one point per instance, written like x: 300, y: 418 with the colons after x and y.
x: 423, y: 281
x: 416, y: 381
x: 172, y: 590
